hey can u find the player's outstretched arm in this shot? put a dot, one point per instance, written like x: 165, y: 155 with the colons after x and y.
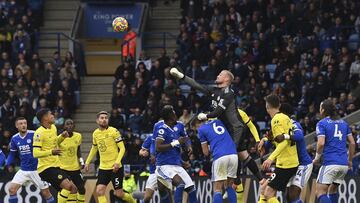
x: 179, y: 75
x: 62, y: 136
x: 253, y: 130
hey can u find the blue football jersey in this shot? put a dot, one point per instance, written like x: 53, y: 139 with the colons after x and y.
x: 335, y: 133
x: 168, y: 134
x: 214, y: 133
x: 24, y: 147
x: 149, y: 144
x: 303, y: 155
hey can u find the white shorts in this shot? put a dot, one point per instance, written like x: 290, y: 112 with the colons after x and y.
x: 22, y: 177
x: 302, y: 176
x: 151, y: 182
x: 166, y: 173
x: 332, y: 174
x: 224, y: 167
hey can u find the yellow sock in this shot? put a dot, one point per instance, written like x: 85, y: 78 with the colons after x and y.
x: 80, y: 198
x: 71, y: 198
x: 262, y: 199
x: 102, y: 199
x: 128, y: 198
x: 240, y: 193
x: 273, y: 200
x: 63, y: 196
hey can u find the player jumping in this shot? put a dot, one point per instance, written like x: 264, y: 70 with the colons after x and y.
x: 70, y: 160
x: 168, y: 142
x: 21, y: 143
x: 108, y: 141
x: 225, y: 109
x: 45, y: 148
x: 331, y: 145
x: 285, y: 153
x: 225, y: 160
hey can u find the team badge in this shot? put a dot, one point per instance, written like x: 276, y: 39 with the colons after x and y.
x: 175, y: 128
x: 60, y: 177
x: 28, y: 141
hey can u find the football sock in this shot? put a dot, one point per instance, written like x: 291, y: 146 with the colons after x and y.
x: 239, y: 192
x: 102, y: 199
x: 334, y: 198
x: 192, y: 196
x: 231, y: 195
x: 128, y: 198
x: 217, y: 197
x: 63, y: 196
x: 13, y: 199
x: 179, y: 193
x: 251, y: 164
x: 273, y: 200
x: 324, y: 199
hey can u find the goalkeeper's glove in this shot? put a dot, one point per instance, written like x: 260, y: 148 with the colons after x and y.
x: 176, y: 73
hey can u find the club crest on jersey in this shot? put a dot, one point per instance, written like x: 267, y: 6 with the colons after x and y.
x: 60, y: 177
x: 28, y: 141
x: 37, y: 138
x: 175, y: 128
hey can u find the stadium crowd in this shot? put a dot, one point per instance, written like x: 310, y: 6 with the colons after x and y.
x: 27, y: 83
x: 305, y: 51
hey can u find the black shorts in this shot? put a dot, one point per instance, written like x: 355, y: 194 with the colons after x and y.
x: 280, y: 178
x: 54, y: 176
x: 105, y: 176
x: 78, y: 179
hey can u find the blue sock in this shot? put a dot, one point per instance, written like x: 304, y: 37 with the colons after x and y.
x: 324, y: 199
x: 231, y: 194
x: 192, y: 196
x: 217, y: 197
x: 179, y: 193
x: 334, y: 197
x: 50, y: 200
x: 297, y: 201
x: 165, y: 198
x: 13, y: 199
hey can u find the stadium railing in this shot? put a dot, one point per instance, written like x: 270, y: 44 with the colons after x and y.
x: 77, y: 48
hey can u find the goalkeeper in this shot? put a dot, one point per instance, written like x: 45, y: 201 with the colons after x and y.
x: 224, y: 108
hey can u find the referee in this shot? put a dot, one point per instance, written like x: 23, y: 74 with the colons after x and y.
x: 224, y: 108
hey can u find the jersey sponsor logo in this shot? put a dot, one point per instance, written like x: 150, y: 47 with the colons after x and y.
x: 71, y: 151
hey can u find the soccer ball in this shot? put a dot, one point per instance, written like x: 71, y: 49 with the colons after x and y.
x: 120, y: 24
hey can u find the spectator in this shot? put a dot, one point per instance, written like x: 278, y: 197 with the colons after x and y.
x: 135, y: 120
x: 185, y: 116
x: 116, y: 120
